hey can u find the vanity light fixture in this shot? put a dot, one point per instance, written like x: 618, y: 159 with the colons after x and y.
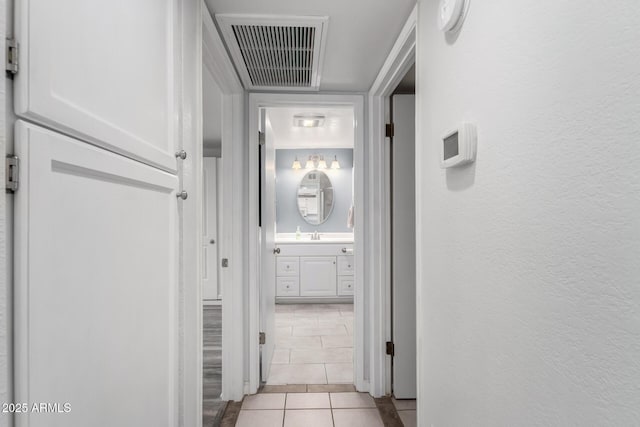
x: 321, y: 163
x: 310, y: 164
x: 335, y: 164
x: 296, y: 164
x: 316, y: 161
x: 308, y: 120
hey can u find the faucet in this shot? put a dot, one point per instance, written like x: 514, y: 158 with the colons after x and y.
x: 315, y: 235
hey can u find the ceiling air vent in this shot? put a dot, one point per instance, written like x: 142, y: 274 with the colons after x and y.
x: 276, y: 52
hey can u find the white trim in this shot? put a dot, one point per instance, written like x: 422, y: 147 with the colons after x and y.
x: 7, y: 120
x: 259, y: 100
x: 217, y: 62
x: 189, y: 124
x: 420, y: 314
x: 401, y: 58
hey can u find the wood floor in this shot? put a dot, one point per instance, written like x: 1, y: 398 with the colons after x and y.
x: 212, y: 365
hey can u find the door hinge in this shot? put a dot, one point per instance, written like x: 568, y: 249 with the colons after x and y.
x: 11, y: 59
x: 225, y: 262
x: 12, y: 173
x: 388, y: 130
x: 390, y: 349
x: 261, y: 138
x: 263, y: 338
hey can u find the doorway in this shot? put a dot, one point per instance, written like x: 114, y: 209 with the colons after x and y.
x: 306, y: 204
x: 211, y: 282
x: 403, y: 246
x: 306, y: 265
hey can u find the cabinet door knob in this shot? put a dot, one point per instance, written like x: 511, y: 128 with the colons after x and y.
x: 276, y: 251
x: 344, y: 250
x: 181, y: 154
x: 182, y: 195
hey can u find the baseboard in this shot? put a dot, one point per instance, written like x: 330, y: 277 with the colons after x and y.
x: 314, y: 300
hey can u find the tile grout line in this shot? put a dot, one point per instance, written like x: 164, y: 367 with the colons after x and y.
x: 333, y: 419
x: 284, y: 410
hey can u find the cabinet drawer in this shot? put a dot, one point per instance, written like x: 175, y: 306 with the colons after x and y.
x: 287, y: 266
x: 346, y: 285
x: 345, y: 265
x: 287, y: 287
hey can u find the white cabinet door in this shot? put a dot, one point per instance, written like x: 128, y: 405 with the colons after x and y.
x: 101, y: 71
x: 95, y: 285
x: 210, y: 289
x: 318, y: 276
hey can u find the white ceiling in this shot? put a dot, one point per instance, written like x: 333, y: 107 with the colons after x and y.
x: 212, y: 114
x: 360, y: 36
x: 337, y: 131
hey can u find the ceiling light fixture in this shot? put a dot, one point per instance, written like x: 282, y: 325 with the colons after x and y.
x: 308, y: 120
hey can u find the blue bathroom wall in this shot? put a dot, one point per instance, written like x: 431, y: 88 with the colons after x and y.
x: 287, y: 180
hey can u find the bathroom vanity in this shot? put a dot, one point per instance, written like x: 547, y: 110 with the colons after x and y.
x: 315, y: 270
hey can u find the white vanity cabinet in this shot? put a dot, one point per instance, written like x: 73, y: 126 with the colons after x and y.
x: 318, y: 271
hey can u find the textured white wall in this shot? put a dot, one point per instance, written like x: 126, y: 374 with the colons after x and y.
x: 530, y: 259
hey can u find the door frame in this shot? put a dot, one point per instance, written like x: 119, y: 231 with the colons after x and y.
x: 261, y: 100
x: 7, y: 120
x: 399, y: 61
x: 231, y: 245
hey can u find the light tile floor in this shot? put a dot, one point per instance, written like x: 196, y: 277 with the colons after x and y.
x: 309, y: 410
x: 314, y: 344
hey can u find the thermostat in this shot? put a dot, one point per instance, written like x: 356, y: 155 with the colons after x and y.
x: 459, y: 146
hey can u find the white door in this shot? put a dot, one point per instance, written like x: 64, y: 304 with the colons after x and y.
x: 318, y: 276
x: 210, y: 230
x: 103, y: 72
x: 403, y: 273
x: 95, y: 285
x: 268, y: 247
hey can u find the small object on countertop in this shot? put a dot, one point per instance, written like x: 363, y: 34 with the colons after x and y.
x: 350, y: 217
x: 298, y: 233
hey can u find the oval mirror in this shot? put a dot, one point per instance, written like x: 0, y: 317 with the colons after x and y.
x: 315, y: 197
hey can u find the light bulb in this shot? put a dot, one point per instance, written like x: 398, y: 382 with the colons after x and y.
x: 296, y: 164
x: 334, y: 163
x: 309, y: 164
x: 321, y: 163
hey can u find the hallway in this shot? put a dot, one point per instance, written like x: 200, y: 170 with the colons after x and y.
x: 324, y: 409
x: 512, y: 300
